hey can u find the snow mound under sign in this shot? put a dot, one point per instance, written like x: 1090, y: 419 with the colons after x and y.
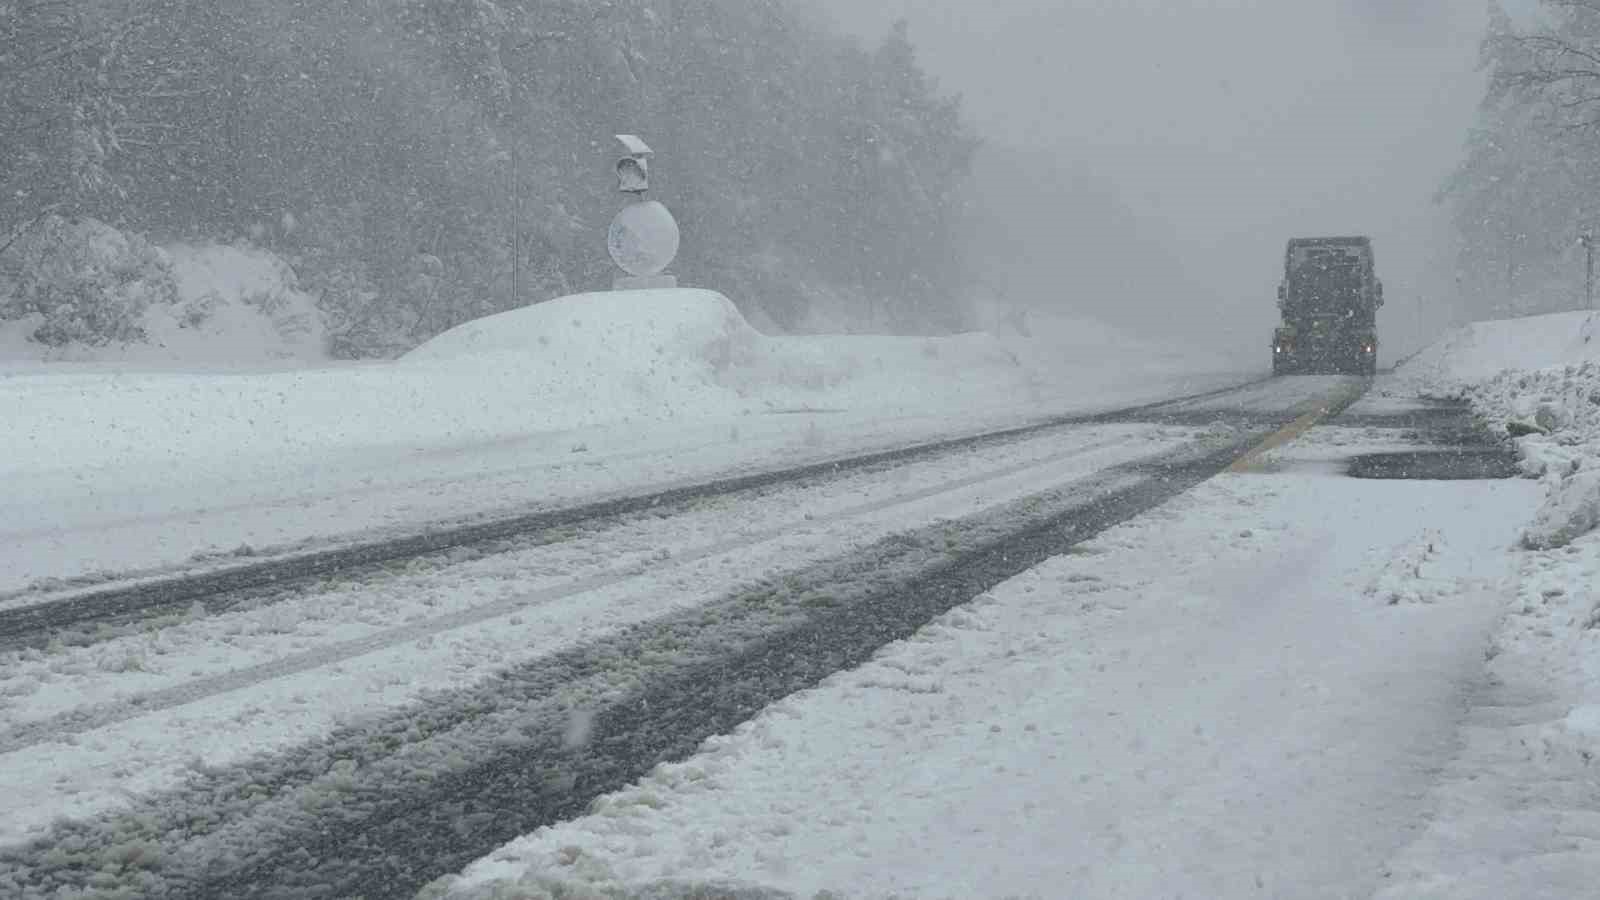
x: 667, y: 352
x: 604, y: 360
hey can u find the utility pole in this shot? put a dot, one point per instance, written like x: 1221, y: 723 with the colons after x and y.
x: 1587, y: 240
x: 516, y: 235
x: 1422, y: 338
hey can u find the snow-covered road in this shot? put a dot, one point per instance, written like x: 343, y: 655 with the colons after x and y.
x: 1250, y: 689
x: 208, y: 691
x: 153, y: 729
x: 377, y: 639
x: 1247, y: 693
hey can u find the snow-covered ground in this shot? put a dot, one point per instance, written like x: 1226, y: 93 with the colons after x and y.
x: 1538, y: 380
x: 1517, y: 812
x: 110, y: 468
x: 86, y: 730
x: 1256, y: 690
x: 1286, y: 683
x: 1219, y: 699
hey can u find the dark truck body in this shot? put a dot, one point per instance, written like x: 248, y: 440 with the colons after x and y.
x: 1329, y: 302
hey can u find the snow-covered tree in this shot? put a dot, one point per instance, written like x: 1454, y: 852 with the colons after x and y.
x: 1530, y: 182
x: 357, y: 137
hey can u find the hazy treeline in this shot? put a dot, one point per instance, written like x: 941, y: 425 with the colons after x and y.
x: 385, y: 147
x: 1530, y: 184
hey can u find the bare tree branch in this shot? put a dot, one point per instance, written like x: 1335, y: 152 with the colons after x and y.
x: 23, y: 229
x: 109, y: 35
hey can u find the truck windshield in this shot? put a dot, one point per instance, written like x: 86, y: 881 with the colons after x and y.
x: 1325, y: 287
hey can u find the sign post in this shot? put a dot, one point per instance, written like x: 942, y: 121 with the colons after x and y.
x: 643, y: 238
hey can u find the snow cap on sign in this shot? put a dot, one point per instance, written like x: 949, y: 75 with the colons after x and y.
x: 635, y: 145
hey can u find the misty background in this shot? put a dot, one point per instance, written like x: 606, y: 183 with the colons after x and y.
x: 1178, y: 146
x: 903, y: 166
x: 421, y: 164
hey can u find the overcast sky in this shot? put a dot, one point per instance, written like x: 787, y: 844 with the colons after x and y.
x: 1228, y: 126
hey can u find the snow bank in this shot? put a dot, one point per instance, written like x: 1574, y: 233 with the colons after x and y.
x: 646, y: 353
x: 683, y: 356
x: 555, y: 403
x: 1555, y: 414
x: 1483, y: 350
x: 1514, y: 814
x: 649, y: 354
x: 78, y: 290
x: 689, y: 352
x: 1572, y: 510
x: 1537, y: 379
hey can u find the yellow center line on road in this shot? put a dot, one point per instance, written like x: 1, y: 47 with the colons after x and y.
x: 1332, y: 406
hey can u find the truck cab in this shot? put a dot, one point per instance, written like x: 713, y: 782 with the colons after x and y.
x: 1328, y: 302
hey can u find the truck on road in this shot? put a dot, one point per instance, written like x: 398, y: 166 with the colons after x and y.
x: 1329, y: 303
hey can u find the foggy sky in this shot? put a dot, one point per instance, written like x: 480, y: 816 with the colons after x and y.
x: 1228, y: 127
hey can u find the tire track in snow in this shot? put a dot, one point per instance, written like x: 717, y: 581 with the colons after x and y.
x: 831, y: 618
x: 84, y: 719
x: 142, y: 599
x: 383, y: 808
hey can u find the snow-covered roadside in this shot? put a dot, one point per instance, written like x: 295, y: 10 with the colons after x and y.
x: 1517, y: 813
x: 88, y: 729
x: 116, y: 470
x: 1538, y: 380
x: 1556, y: 414
x: 1228, y: 697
